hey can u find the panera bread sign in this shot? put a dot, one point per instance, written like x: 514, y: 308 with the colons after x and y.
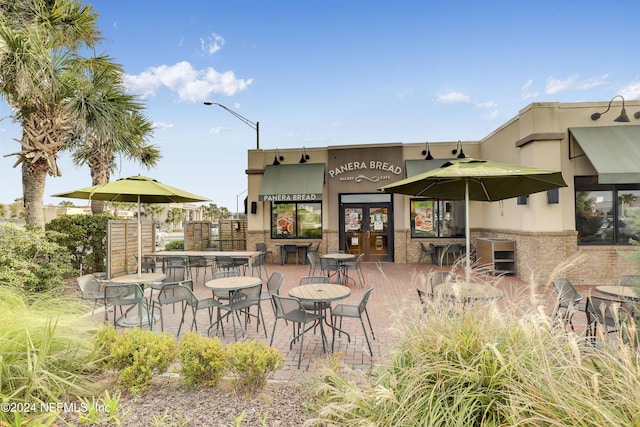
x: 365, y: 169
x: 290, y: 197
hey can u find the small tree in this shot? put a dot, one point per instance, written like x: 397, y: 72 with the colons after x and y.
x: 29, y: 261
x: 84, y: 236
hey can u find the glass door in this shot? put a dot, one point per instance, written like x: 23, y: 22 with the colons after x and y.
x: 365, y: 229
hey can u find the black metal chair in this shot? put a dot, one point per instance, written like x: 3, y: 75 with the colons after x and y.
x: 354, y: 266
x: 259, y: 264
x: 128, y: 295
x: 354, y: 311
x: 314, y: 263
x: 91, y: 289
x: 426, y: 253
x: 288, y: 250
x: 196, y: 305
x: 169, y: 294
x: 176, y: 269
x: 226, y: 263
x: 241, y: 301
x: 262, y: 247
x: 331, y: 266
x: 603, y: 312
x: 273, y: 287
x: 199, y: 262
x: 568, y: 302
x: 291, y: 310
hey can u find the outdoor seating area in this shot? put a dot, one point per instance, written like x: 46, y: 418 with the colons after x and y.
x: 234, y: 307
x: 217, y: 311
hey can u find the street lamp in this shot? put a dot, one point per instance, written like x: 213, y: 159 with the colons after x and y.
x: 237, y: 204
x: 255, y: 126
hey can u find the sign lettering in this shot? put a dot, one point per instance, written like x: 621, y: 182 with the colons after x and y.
x: 291, y: 197
x: 372, y: 165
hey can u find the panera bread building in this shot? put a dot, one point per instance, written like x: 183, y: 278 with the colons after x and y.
x: 332, y: 198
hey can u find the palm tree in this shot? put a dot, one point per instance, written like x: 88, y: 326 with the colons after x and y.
x: 175, y: 216
x: 109, y: 122
x: 153, y: 210
x: 39, y: 72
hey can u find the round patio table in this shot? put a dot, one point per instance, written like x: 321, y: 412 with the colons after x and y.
x: 321, y: 294
x: 624, y: 292
x: 232, y: 283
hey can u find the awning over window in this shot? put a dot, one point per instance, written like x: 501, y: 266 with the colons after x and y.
x: 614, y: 151
x: 414, y: 167
x: 292, y: 183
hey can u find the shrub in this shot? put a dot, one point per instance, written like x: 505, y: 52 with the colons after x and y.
x: 484, y: 364
x: 46, y: 351
x: 174, y: 245
x: 29, y: 261
x: 84, y: 236
x: 137, y: 355
x: 203, y: 360
x: 251, y: 362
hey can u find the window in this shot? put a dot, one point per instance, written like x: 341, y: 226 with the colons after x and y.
x: 296, y: 221
x: 606, y: 214
x: 437, y: 218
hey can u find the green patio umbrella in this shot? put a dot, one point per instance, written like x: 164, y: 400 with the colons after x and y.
x: 482, y: 180
x: 134, y: 189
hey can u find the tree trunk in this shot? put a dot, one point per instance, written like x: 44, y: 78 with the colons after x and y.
x: 99, y: 175
x: 34, y: 177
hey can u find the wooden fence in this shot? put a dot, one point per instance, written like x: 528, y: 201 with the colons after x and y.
x: 122, y: 246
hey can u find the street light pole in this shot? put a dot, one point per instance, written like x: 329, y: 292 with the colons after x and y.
x: 255, y: 126
x: 237, y: 206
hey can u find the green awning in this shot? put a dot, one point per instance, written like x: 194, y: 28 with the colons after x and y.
x: 292, y: 183
x: 614, y: 151
x: 414, y: 167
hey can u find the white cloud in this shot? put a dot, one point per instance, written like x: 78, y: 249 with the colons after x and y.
x: 574, y: 83
x: 218, y: 130
x: 453, y: 98
x: 461, y: 98
x: 631, y: 91
x: 487, y: 104
x: 190, y: 84
x: 525, y: 90
x: 162, y: 125
x: 212, y: 44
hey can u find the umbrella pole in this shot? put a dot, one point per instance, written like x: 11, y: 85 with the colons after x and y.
x: 139, y: 240
x: 467, y: 231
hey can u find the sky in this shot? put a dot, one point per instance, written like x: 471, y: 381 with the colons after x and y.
x: 340, y: 72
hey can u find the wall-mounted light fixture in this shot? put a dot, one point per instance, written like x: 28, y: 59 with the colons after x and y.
x: 427, y: 152
x: 623, y: 113
x: 304, y: 157
x: 459, y: 152
x: 277, y: 158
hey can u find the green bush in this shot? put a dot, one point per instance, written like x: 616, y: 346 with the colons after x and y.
x: 203, y: 360
x: 46, y: 351
x: 174, y: 245
x: 29, y: 261
x: 137, y: 355
x: 84, y: 236
x: 251, y: 362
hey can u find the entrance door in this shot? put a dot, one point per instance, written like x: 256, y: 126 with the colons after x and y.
x: 366, y: 228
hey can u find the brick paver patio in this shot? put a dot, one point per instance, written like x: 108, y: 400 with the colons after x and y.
x: 394, y: 290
